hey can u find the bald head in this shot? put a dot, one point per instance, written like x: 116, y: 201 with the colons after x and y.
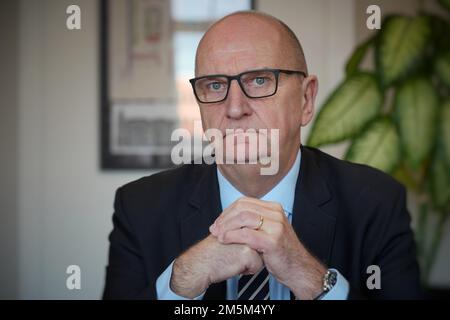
x: 244, y: 28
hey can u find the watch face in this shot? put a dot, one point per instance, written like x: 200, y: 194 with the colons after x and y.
x: 330, y: 280
x: 333, y: 278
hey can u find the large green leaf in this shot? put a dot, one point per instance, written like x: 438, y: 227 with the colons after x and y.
x: 444, y: 133
x: 401, y: 45
x: 445, y: 4
x: 377, y: 146
x: 440, y: 181
x: 352, y: 105
x: 442, y: 67
x: 416, y: 107
x: 358, y: 55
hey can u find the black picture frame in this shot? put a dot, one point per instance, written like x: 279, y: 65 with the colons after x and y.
x: 108, y: 160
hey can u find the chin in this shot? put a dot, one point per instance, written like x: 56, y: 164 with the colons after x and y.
x: 249, y: 158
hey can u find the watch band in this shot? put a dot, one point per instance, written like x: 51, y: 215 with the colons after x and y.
x: 328, y: 282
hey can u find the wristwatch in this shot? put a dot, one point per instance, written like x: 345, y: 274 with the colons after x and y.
x: 329, y: 280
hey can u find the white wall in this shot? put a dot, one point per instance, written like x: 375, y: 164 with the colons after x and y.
x: 64, y: 199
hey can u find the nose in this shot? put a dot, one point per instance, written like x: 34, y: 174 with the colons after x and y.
x: 237, y: 103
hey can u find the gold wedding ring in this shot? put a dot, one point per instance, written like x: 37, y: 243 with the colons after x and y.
x: 261, y: 221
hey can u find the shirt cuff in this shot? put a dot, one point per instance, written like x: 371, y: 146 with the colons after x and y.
x: 340, y: 290
x: 163, y: 291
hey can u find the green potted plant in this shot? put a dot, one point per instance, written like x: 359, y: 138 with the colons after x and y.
x: 396, y: 116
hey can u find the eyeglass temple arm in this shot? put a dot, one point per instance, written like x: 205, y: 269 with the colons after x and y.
x: 294, y: 71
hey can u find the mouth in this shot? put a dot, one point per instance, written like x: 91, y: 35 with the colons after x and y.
x: 239, y: 132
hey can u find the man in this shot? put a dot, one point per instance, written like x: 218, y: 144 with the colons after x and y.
x: 310, y: 231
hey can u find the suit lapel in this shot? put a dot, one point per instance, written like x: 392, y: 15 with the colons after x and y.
x: 206, y: 207
x: 313, y: 216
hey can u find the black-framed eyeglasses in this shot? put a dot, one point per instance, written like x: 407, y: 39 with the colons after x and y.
x: 259, y: 83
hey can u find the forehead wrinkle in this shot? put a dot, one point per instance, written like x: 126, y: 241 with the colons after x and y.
x: 235, y: 58
x: 235, y: 65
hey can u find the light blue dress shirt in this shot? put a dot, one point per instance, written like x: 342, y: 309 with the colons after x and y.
x: 283, y: 193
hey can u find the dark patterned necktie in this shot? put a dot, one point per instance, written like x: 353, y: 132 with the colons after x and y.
x: 254, y: 286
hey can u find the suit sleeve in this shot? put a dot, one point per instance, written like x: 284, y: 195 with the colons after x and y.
x: 392, y: 248
x: 125, y: 275
x: 397, y: 257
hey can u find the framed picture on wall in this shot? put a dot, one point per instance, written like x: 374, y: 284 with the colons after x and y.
x: 146, y: 58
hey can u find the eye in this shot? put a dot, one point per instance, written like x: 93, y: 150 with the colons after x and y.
x: 215, y: 85
x: 259, y: 81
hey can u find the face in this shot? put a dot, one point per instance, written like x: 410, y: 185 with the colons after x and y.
x: 239, y: 44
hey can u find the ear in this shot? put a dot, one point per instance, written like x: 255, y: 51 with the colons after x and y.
x: 310, y: 86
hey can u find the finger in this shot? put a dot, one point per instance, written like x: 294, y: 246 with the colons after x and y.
x: 258, y: 203
x: 268, y: 204
x: 249, y: 219
x: 246, y: 218
x: 256, y: 240
x: 246, y: 203
x: 253, y: 268
x: 270, y: 210
x: 268, y: 226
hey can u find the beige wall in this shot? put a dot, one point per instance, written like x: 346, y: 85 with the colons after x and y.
x: 326, y: 30
x: 64, y: 201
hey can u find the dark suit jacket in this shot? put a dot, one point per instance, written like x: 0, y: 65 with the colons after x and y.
x: 349, y: 216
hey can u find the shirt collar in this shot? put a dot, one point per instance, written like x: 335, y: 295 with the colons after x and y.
x: 283, y: 192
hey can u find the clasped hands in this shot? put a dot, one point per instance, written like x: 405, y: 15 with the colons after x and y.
x: 247, y: 236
